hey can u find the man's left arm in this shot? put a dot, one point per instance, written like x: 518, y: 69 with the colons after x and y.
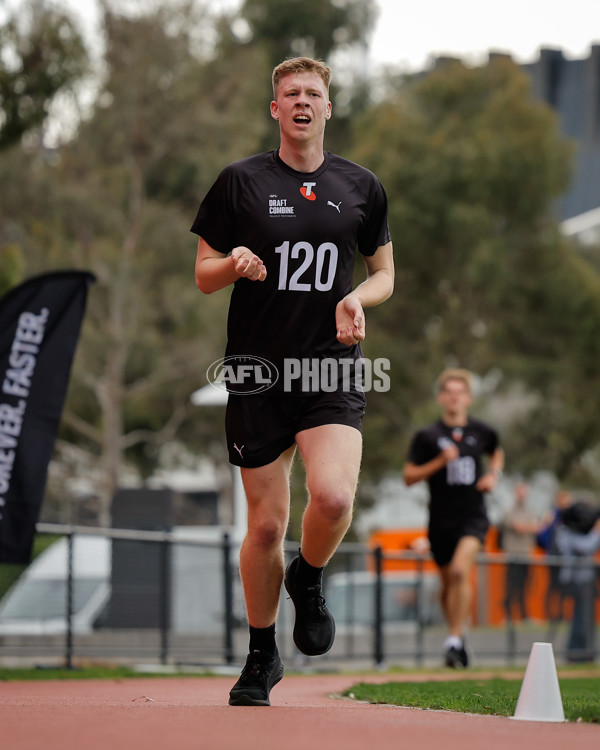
x: 488, y: 481
x: 376, y: 288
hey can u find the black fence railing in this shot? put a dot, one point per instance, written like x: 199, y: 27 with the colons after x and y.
x: 120, y: 596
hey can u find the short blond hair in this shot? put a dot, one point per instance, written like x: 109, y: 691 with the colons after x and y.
x: 455, y: 373
x: 300, y: 65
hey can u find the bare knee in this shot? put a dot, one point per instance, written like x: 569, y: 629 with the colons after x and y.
x: 266, y: 533
x: 334, y: 505
x: 457, y: 574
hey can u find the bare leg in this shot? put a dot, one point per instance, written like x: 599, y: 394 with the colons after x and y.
x: 261, y: 554
x: 332, y: 455
x: 456, y: 585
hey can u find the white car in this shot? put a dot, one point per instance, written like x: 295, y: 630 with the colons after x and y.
x: 37, y: 602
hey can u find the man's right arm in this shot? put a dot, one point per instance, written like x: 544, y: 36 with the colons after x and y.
x: 215, y: 271
x: 414, y: 473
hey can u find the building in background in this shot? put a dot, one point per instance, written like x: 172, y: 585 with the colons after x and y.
x: 572, y: 88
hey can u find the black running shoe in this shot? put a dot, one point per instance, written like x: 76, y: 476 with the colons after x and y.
x: 260, y: 674
x: 456, y: 658
x: 314, y: 630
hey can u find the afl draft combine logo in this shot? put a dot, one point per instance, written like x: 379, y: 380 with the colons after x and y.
x: 306, y: 191
x: 242, y: 375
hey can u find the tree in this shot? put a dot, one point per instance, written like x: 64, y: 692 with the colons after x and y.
x: 41, y: 54
x: 120, y: 204
x: 472, y: 164
x: 553, y: 322
x: 308, y: 27
x: 11, y: 268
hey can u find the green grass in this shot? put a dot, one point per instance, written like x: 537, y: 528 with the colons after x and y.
x: 84, y: 673
x: 581, y: 696
x: 495, y: 696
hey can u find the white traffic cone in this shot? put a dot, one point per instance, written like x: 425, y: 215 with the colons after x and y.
x: 540, y: 699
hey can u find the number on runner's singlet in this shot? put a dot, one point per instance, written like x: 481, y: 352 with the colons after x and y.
x: 461, y: 471
x: 325, y: 266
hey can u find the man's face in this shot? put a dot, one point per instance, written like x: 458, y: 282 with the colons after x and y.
x: 301, y: 107
x: 454, y: 397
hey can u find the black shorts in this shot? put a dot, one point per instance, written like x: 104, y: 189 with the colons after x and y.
x: 444, y: 537
x: 260, y: 427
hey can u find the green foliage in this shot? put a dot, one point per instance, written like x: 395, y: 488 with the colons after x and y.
x: 307, y: 27
x: 11, y: 267
x: 472, y: 164
x: 490, y: 696
x: 119, y: 200
x: 40, y: 54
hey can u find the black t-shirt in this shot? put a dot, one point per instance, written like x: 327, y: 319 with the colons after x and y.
x: 453, y: 495
x: 306, y: 228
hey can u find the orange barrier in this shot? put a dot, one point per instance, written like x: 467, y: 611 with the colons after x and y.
x: 492, y: 581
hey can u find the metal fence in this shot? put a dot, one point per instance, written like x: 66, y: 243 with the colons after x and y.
x: 175, y: 598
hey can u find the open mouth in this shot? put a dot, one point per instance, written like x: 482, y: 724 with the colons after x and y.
x: 302, y: 119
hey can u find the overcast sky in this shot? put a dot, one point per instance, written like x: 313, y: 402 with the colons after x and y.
x: 410, y: 32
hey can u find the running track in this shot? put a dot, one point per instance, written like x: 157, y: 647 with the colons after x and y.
x: 192, y: 712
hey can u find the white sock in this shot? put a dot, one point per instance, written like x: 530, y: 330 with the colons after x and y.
x: 453, y: 641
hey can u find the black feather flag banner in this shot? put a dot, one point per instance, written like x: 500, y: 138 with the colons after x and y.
x: 40, y: 321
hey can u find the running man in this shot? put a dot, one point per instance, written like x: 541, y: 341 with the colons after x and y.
x: 448, y: 455
x: 283, y: 227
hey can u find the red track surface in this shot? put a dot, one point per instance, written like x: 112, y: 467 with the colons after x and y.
x: 160, y: 714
